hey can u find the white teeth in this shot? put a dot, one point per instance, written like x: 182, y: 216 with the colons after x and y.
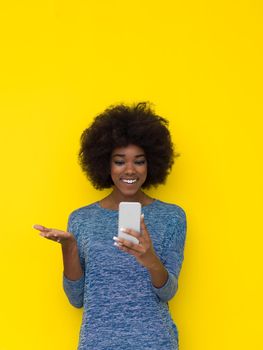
x: 129, y: 181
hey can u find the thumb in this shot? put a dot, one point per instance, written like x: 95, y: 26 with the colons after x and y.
x: 143, y: 226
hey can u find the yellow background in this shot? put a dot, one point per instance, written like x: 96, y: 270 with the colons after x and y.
x: 200, y: 63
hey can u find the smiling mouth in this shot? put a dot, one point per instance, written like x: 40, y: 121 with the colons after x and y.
x: 129, y: 181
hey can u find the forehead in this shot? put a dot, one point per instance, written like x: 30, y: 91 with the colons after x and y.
x: 131, y: 150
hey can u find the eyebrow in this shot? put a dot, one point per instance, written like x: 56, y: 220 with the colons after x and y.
x: 123, y: 155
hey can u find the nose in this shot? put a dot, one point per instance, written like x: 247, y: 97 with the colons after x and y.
x: 129, y: 168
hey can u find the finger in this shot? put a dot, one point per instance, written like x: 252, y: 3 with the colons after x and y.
x: 41, y: 228
x: 143, y: 226
x: 52, y: 237
x: 144, y: 231
x: 129, y: 245
x: 49, y: 232
x: 46, y: 235
x: 133, y: 233
x: 130, y: 232
x: 126, y: 249
x: 56, y: 237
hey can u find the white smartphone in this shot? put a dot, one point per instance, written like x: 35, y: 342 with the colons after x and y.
x: 129, y: 217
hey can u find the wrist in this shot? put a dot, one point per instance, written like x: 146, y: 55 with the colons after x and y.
x: 155, y: 264
x: 158, y: 273
x: 69, y: 244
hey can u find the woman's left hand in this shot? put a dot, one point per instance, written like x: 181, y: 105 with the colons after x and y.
x: 144, y: 251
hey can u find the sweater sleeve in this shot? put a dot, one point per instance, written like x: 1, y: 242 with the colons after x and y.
x: 173, y: 260
x: 75, y: 289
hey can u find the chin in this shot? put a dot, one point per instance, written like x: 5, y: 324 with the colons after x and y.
x: 127, y: 192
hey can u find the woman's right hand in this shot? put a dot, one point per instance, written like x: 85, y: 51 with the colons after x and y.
x: 59, y: 236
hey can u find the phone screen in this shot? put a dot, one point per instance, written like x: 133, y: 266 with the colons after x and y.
x: 129, y: 217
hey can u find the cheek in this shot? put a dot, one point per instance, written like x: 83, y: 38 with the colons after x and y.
x: 112, y: 167
x: 144, y: 171
x: 115, y: 170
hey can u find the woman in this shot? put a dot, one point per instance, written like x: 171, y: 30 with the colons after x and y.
x: 124, y: 287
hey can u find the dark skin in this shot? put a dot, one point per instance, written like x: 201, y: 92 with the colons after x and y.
x: 126, y: 163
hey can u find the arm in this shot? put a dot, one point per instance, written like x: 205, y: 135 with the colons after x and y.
x: 71, y: 260
x: 172, y: 263
x: 158, y: 273
x: 164, y: 275
x: 73, y: 274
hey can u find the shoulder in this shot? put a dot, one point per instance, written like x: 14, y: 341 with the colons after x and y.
x: 169, y: 210
x: 83, y: 218
x: 174, y: 216
x: 171, y: 216
x: 83, y: 210
x: 79, y: 215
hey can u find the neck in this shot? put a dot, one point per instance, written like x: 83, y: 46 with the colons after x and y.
x: 114, y: 198
x: 118, y: 197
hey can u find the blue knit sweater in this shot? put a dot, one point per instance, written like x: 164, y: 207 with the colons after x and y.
x: 122, y: 309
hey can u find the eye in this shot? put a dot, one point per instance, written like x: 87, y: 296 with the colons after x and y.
x: 118, y: 162
x: 140, y: 162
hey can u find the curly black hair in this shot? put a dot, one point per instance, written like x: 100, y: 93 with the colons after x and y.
x: 120, y: 126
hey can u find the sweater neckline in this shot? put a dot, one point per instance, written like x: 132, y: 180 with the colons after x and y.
x: 116, y: 210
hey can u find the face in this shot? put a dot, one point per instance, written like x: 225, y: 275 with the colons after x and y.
x: 128, y: 169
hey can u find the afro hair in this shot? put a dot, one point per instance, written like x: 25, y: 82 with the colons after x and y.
x: 120, y: 126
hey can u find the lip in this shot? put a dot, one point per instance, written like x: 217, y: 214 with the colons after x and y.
x: 126, y: 183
